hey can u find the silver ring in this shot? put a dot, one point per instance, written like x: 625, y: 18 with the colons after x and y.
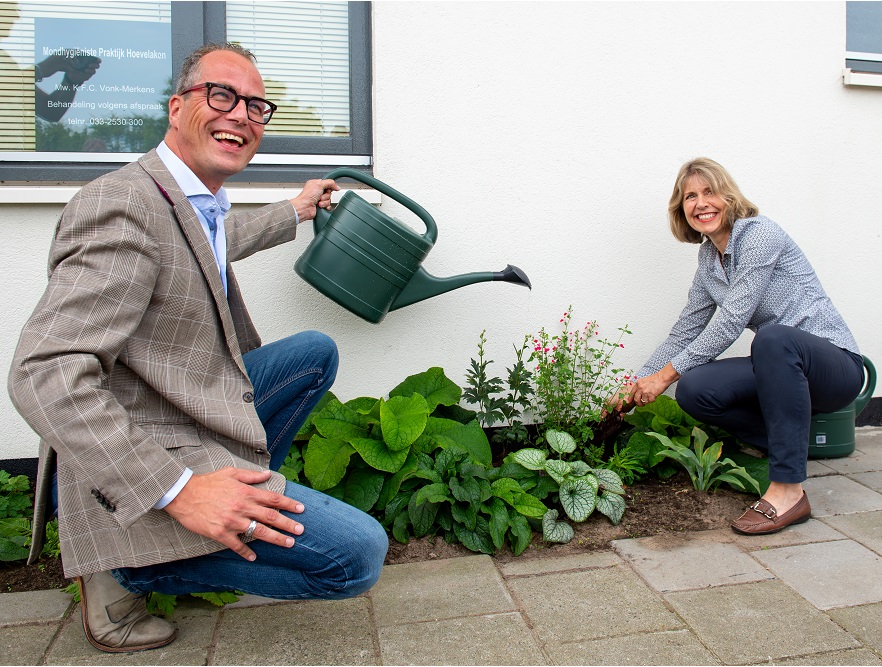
x: 249, y: 533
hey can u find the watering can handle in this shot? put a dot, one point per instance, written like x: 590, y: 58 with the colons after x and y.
x: 864, y: 397
x: 431, y: 228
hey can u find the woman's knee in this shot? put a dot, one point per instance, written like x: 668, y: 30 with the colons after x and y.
x: 772, y: 340
x: 689, y: 393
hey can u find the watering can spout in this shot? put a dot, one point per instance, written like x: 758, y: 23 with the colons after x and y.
x: 424, y: 285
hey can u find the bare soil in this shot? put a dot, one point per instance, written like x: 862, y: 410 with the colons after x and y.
x: 653, y: 507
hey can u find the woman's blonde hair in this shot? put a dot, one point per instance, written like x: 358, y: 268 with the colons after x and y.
x: 721, y: 184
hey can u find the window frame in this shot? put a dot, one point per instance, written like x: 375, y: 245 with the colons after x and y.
x: 196, y: 23
x: 862, y: 62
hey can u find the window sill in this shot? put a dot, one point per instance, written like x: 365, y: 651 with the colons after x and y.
x: 867, y: 79
x: 39, y: 194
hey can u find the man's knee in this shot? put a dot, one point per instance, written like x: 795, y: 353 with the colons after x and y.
x: 324, y: 350
x: 373, y: 543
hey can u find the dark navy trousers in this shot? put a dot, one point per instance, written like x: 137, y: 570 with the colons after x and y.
x: 768, y: 398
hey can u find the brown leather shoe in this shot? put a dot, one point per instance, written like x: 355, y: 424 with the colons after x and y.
x: 117, y: 621
x: 762, y: 519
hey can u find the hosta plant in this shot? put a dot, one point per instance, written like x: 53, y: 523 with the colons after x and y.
x: 580, y: 488
x: 703, y: 463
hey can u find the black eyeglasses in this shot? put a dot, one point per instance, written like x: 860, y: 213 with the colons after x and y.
x: 223, y: 98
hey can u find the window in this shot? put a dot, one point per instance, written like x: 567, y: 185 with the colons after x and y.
x: 863, y: 43
x: 89, y: 82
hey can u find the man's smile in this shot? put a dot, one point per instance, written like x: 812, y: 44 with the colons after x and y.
x: 228, y: 137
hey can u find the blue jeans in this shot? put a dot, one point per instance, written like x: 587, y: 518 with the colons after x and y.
x: 341, y: 550
x: 768, y: 398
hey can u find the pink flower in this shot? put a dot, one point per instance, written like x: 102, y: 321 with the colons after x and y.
x: 622, y: 345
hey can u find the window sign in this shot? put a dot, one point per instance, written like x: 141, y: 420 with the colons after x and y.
x: 104, y: 90
x: 84, y: 80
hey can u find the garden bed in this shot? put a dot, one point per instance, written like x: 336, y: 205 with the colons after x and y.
x: 654, y: 507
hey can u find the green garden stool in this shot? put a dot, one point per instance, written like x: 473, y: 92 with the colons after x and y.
x: 832, y: 433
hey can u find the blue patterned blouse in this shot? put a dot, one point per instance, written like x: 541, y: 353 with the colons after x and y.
x: 764, y: 279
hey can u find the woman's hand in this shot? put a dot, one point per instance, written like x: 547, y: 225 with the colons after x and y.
x: 621, y: 401
x: 649, y: 388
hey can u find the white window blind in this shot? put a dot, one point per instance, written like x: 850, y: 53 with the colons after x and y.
x: 302, y: 51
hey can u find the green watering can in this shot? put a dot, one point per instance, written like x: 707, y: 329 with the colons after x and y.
x: 369, y: 262
x: 832, y: 433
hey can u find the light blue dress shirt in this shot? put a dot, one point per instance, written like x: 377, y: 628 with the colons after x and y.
x: 210, y: 209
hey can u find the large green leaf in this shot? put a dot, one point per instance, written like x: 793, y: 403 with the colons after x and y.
x: 325, y: 461
x: 433, y: 493
x: 307, y: 426
x: 402, y: 420
x: 467, y: 515
x: 362, y: 488
x: 609, y: 480
x: 422, y: 516
x: 12, y: 548
x: 435, y: 426
x: 507, y: 489
x: 478, y: 540
x: 554, y: 530
x: 377, y: 455
x: 498, y: 522
x: 611, y: 505
x: 645, y: 449
x: 529, y: 505
x: 578, y: 497
x: 469, y: 438
x: 432, y: 385
x: 579, y: 468
x: 531, y: 459
x: 560, y: 441
x: 364, y: 405
x: 558, y: 470
x: 521, y: 533
x: 340, y: 422
x: 466, y: 490
x: 399, y: 527
x: 393, y: 483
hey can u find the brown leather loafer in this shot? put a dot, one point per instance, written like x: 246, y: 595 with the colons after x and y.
x: 762, y: 519
x: 117, y: 621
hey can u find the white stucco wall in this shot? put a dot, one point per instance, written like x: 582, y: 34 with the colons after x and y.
x: 548, y: 135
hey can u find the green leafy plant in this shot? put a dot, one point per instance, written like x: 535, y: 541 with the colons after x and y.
x: 386, y: 434
x: 703, y: 462
x: 580, y: 488
x: 469, y: 503
x: 497, y: 402
x: 15, y: 515
x: 574, y: 379
x: 164, y: 605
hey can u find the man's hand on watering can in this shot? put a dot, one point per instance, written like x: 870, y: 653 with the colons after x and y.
x: 315, y: 194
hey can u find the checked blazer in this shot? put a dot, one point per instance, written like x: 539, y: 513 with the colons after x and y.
x: 130, y: 368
